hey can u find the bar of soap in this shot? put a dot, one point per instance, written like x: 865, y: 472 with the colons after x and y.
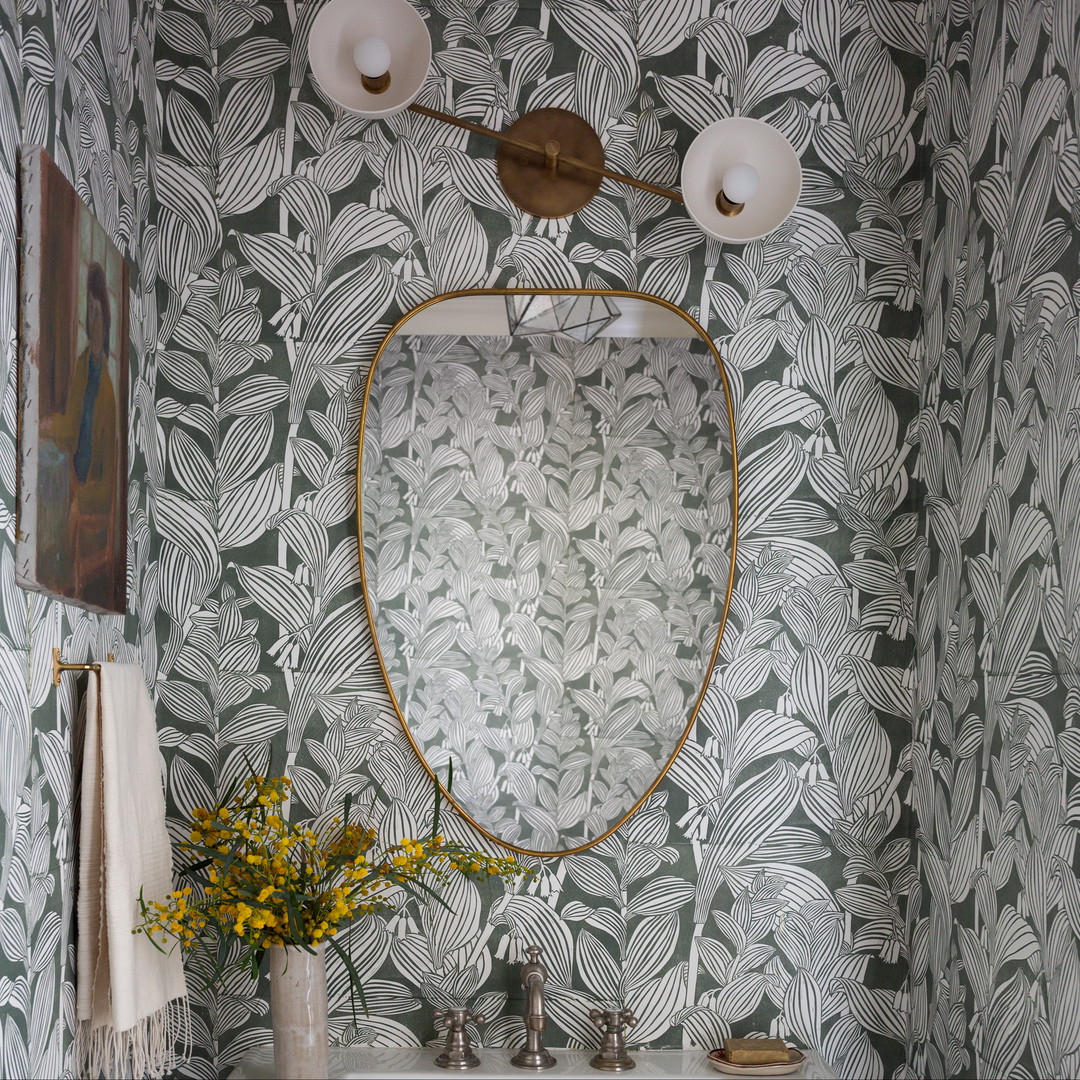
x: 756, y: 1051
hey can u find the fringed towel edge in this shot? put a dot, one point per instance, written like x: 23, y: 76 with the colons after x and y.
x: 157, y: 1043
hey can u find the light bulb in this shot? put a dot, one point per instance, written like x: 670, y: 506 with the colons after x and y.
x: 372, y: 57
x: 741, y: 183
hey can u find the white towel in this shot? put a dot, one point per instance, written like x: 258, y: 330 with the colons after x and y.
x: 132, y: 999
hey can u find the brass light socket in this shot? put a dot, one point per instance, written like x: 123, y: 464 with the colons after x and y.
x: 726, y: 206
x: 379, y: 85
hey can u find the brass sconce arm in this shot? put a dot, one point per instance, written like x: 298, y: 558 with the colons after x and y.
x: 542, y: 152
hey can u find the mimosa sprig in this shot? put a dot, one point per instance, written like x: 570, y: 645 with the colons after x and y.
x: 263, y: 880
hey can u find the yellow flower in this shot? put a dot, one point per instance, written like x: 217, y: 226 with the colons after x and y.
x: 329, y: 874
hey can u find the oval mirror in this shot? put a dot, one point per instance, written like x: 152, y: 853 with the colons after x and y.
x: 547, y: 497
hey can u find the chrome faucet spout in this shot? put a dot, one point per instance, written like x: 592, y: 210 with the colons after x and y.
x: 533, y: 976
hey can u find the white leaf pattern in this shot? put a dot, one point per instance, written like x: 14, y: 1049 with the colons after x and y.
x: 191, y: 129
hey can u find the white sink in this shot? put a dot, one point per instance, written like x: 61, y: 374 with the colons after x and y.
x: 418, y: 1063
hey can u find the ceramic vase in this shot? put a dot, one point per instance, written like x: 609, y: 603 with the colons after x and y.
x: 298, y: 1012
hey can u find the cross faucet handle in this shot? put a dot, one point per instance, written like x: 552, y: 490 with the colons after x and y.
x: 456, y: 1019
x: 458, y: 1052
x: 612, y: 1019
x: 613, y: 1055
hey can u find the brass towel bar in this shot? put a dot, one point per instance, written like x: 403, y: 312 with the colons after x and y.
x: 58, y: 665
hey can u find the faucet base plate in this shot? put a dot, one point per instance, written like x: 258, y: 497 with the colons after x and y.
x: 618, y: 1065
x: 457, y: 1061
x: 533, y: 1059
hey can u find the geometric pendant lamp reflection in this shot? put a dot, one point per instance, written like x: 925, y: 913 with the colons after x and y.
x: 579, y: 317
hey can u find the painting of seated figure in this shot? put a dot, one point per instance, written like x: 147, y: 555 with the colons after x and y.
x: 72, y: 536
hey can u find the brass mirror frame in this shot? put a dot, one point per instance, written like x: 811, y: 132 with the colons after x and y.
x: 616, y: 294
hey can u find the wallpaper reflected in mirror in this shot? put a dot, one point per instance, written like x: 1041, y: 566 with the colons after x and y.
x: 547, y: 544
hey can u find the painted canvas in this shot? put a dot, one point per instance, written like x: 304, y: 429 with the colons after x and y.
x: 72, y: 535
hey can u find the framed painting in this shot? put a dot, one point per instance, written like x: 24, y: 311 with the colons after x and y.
x: 72, y: 528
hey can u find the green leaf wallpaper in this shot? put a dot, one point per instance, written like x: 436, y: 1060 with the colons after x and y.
x: 763, y: 886
x: 867, y: 844
x: 74, y: 78
x: 993, y: 921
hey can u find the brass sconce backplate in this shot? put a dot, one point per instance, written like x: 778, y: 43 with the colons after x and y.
x: 560, y: 189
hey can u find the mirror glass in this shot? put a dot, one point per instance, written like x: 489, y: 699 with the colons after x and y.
x: 547, y: 493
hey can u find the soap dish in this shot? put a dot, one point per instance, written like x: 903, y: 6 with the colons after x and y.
x: 779, y: 1068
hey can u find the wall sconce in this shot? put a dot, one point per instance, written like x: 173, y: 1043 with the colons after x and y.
x: 350, y: 32
x: 740, y: 179
x: 550, y: 162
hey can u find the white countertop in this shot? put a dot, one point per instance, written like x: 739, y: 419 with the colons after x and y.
x: 418, y: 1063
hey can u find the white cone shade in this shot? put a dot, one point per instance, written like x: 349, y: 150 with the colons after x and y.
x: 344, y: 24
x: 722, y: 146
